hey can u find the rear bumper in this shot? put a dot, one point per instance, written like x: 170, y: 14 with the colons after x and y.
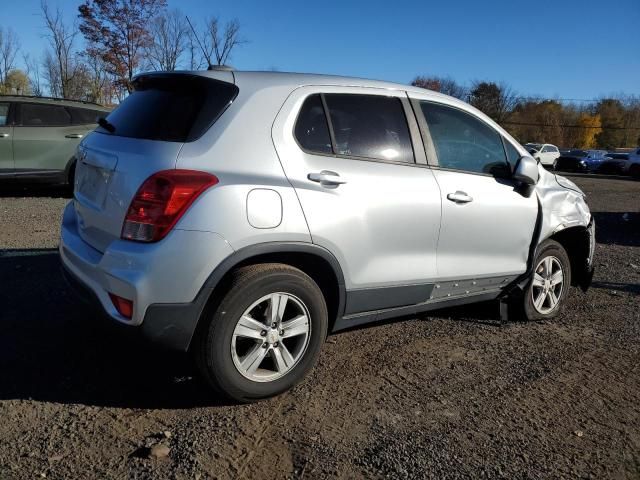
x: 164, y: 280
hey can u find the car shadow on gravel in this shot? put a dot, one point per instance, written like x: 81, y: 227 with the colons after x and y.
x: 53, y: 348
x: 616, y: 288
x: 619, y: 228
x: 34, y: 190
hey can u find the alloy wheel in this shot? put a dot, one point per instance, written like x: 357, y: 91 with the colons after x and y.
x: 547, y: 285
x: 271, y: 337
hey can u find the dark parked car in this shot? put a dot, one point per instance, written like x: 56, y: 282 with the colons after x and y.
x: 614, y: 163
x: 581, y: 160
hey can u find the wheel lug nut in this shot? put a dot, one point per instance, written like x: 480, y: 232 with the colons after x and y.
x: 275, y: 344
x: 274, y: 325
x: 281, y: 332
x: 263, y: 333
x: 265, y: 345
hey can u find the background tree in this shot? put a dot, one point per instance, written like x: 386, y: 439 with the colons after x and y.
x: 214, y: 45
x: 591, y: 128
x: 118, y: 31
x: 445, y: 85
x: 495, y: 100
x: 9, y: 47
x: 537, y: 121
x: 631, y: 121
x: 33, y: 72
x: 59, y: 61
x: 611, y: 113
x: 16, y: 83
x: 223, y: 40
x: 102, y: 87
x: 169, y: 40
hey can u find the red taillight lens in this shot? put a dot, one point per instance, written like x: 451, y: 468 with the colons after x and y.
x: 161, y: 201
x: 123, y: 306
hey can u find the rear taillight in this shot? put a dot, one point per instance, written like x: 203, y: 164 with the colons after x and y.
x: 161, y: 201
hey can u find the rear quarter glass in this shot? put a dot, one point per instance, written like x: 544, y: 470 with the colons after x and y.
x: 171, y: 108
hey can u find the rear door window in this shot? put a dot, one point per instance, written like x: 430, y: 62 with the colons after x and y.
x: 464, y: 142
x: 85, y: 116
x: 172, y: 108
x: 4, y: 114
x: 41, y: 115
x: 312, y: 131
x: 370, y: 126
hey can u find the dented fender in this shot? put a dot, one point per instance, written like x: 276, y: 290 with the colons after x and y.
x: 563, y: 205
x: 566, y: 217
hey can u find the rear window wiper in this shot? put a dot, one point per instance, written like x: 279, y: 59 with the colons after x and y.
x: 104, y: 123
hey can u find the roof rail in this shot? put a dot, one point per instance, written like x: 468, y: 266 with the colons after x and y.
x: 41, y: 97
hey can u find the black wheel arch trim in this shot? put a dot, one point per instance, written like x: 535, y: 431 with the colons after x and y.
x: 174, y: 325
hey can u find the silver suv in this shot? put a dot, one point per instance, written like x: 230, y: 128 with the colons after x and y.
x: 244, y: 216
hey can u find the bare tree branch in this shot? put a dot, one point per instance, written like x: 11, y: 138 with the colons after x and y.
x: 9, y: 47
x: 169, y: 34
x: 33, y: 72
x: 61, y: 39
x: 222, y: 43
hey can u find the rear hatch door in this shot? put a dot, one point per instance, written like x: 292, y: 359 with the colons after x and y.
x: 144, y: 135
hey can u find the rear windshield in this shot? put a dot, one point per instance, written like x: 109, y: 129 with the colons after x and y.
x: 171, y: 108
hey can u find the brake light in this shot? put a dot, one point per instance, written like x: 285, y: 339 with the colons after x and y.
x: 123, y: 306
x: 161, y: 201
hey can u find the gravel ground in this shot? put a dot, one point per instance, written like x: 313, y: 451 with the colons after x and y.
x: 451, y: 394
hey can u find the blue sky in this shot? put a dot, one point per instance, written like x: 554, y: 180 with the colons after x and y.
x: 564, y: 48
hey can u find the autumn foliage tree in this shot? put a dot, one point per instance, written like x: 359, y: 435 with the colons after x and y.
x: 611, y: 113
x: 496, y: 100
x: 590, y: 128
x: 118, y: 32
x: 445, y: 85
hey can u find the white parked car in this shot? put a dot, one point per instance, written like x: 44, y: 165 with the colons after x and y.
x: 545, y: 153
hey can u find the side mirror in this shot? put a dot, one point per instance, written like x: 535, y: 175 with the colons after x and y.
x: 527, y: 171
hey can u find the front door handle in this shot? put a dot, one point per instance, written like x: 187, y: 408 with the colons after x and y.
x: 460, y: 197
x: 74, y: 135
x: 326, y: 177
x: 4, y: 135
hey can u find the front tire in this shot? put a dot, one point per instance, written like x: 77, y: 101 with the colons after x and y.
x: 549, y: 286
x: 265, y: 334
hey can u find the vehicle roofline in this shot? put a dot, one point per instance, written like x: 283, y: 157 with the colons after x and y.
x: 297, y: 80
x: 57, y: 99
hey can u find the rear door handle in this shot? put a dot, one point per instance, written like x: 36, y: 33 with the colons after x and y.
x: 4, y: 135
x: 460, y: 197
x: 326, y: 177
x: 74, y: 135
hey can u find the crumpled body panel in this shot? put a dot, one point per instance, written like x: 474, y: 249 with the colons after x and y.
x: 563, y: 204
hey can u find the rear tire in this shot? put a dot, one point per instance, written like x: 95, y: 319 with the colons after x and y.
x: 241, y: 354
x: 634, y: 171
x: 549, y: 286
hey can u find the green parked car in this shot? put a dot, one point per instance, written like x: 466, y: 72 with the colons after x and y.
x: 39, y: 136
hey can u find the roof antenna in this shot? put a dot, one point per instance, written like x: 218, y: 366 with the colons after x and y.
x: 204, y: 52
